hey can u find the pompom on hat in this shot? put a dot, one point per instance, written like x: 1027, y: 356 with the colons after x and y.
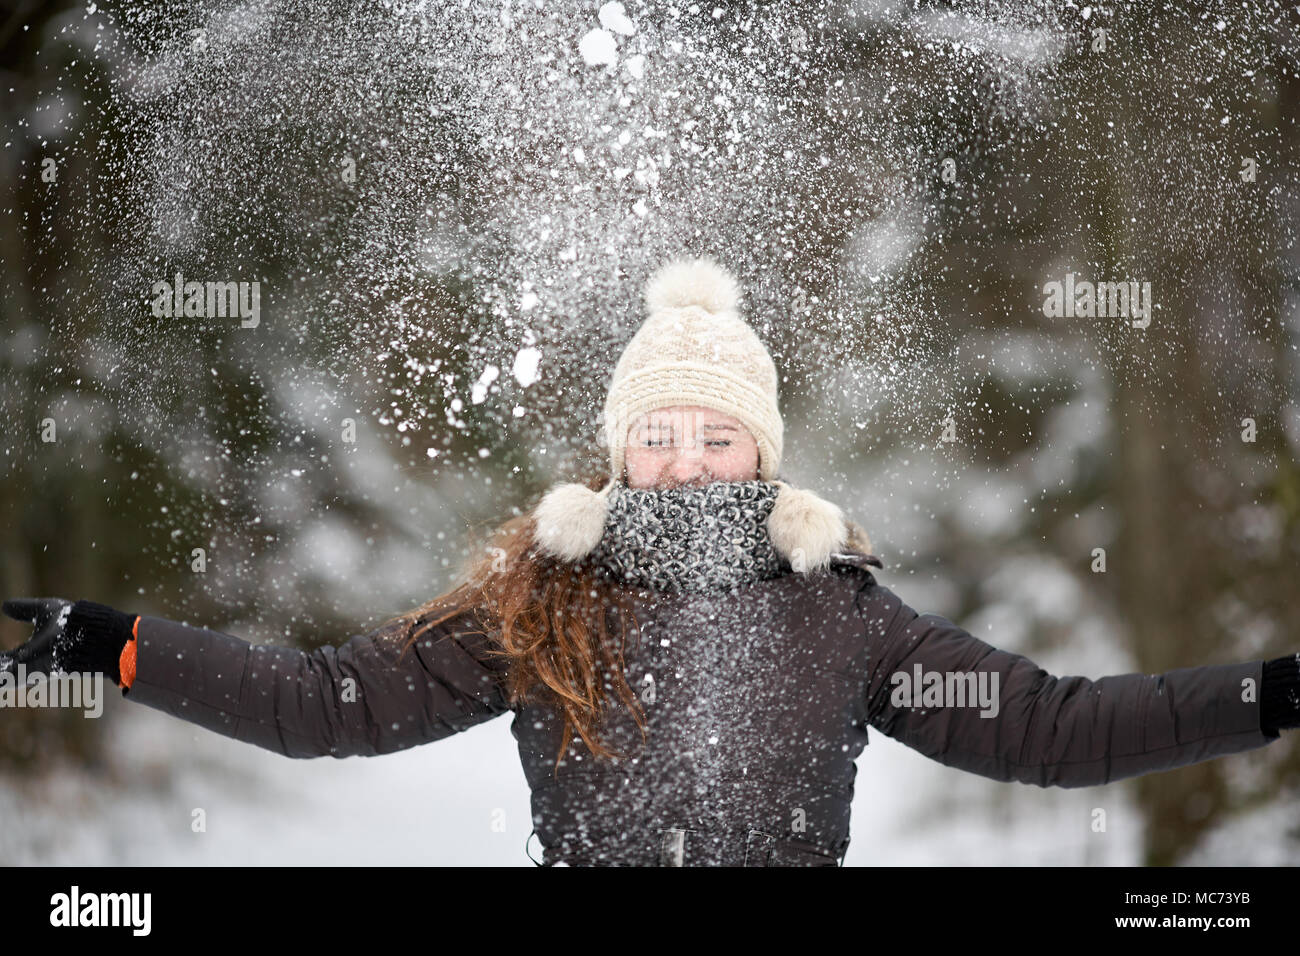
x: 695, y: 349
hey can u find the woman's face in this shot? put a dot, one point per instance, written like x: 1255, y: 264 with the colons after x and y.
x: 688, y: 445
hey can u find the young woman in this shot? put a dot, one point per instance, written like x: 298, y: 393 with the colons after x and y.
x: 693, y: 650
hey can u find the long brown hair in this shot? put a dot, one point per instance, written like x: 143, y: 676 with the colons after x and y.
x: 549, y: 619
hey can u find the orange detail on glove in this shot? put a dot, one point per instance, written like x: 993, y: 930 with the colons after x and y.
x: 126, y: 663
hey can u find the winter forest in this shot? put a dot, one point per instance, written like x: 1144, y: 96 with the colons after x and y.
x: 1029, y: 271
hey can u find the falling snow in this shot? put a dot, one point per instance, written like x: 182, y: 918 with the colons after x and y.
x: 451, y: 209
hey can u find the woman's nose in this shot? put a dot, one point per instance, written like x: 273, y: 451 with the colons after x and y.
x: 687, y: 465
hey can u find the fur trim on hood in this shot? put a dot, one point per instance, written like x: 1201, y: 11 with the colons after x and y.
x: 806, y: 530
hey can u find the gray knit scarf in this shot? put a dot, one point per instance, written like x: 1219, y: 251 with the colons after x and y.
x: 690, y: 539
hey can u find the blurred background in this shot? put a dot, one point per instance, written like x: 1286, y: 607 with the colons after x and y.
x: 450, y: 209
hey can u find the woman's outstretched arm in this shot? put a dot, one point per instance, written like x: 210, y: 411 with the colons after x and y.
x: 363, y: 698
x: 967, y: 704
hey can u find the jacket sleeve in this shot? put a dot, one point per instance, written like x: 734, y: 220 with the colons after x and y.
x: 363, y: 698
x: 1041, y: 729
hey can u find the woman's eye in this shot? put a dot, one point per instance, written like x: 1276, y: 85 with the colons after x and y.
x: 721, y: 441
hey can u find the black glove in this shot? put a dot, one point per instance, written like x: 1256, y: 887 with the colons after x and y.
x: 1279, y: 697
x: 80, y: 637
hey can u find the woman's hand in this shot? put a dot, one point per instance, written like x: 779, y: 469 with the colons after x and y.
x: 44, y: 649
x: 73, y: 637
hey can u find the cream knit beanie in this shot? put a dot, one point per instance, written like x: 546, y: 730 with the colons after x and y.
x: 695, y: 349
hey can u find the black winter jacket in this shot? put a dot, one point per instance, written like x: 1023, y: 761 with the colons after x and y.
x: 757, y: 703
